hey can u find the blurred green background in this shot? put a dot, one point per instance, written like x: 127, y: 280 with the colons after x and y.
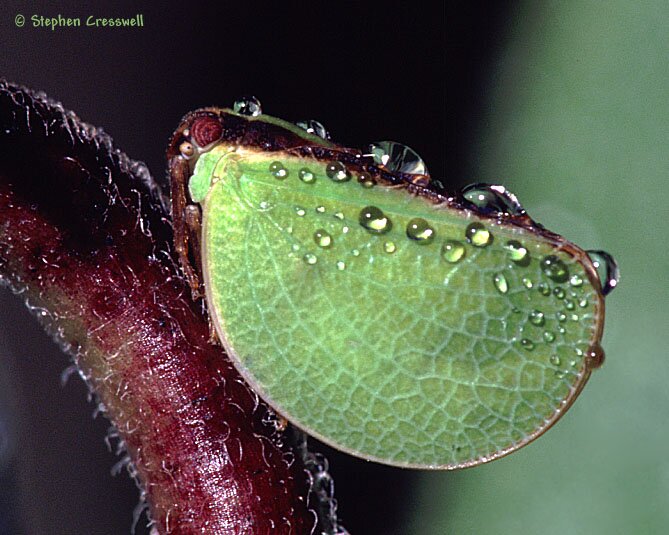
x: 577, y: 125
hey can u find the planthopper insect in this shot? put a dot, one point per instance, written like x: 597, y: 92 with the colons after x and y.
x: 376, y: 314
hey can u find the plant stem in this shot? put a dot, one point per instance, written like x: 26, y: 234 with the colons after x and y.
x: 85, y: 237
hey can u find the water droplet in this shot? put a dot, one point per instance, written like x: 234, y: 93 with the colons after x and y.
x: 265, y: 205
x: 527, y: 283
x: 607, y: 270
x: 595, y: 357
x: 278, y: 170
x: 583, y: 303
x: 306, y: 176
x: 420, y: 231
x: 320, y: 209
x: 453, y: 251
x: 576, y: 281
x: 518, y: 253
x: 300, y: 211
x: 569, y: 304
x: 339, y: 215
x: 549, y: 337
x: 295, y: 247
x: 528, y: 345
x: 341, y: 266
x: 337, y: 172
x: 314, y: 127
x: 561, y: 330
x: 374, y: 220
x: 558, y: 292
x: 323, y: 238
x: 396, y: 157
x: 389, y: 247
x: 573, y: 317
x: 310, y: 259
x: 555, y: 360
x: 561, y: 317
x: 478, y: 235
x: 355, y: 252
x: 555, y: 269
x: 344, y: 230
x: 544, y: 289
x: 492, y: 198
x: 247, y: 106
x: 537, y: 318
x: 499, y: 280
x: 366, y: 180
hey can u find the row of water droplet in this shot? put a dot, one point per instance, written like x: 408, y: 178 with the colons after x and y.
x: 487, y: 198
x: 392, y: 156
x: 375, y: 221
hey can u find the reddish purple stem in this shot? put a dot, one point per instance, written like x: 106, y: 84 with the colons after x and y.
x: 84, y: 234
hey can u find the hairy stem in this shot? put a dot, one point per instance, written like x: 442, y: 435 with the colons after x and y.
x: 85, y: 237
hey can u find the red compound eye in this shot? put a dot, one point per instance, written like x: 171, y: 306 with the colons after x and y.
x: 206, y: 130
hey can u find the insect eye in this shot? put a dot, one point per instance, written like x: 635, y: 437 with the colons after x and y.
x: 186, y: 149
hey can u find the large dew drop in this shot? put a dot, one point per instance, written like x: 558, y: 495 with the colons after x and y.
x: 528, y: 345
x: 555, y: 269
x: 420, y: 231
x: 323, y: 238
x: 607, y: 270
x: 278, y: 170
x: 518, y: 254
x: 492, y: 198
x: 396, y: 157
x: 544, y: 289
x: 478, y: 235
x: 247, y: 106
x: 374, y: 220
x: 537, y: 318
x: 366, y: 181
x: 310, y: 259
x: 314, y: 127
x: 337, y: 172
x: 306, y: 176
x: 500, y: 282
x: 453, y: 251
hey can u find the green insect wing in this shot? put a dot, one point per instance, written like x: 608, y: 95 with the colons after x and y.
x: 384, y: 319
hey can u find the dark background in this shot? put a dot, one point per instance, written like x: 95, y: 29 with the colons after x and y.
x: 367, y: 71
